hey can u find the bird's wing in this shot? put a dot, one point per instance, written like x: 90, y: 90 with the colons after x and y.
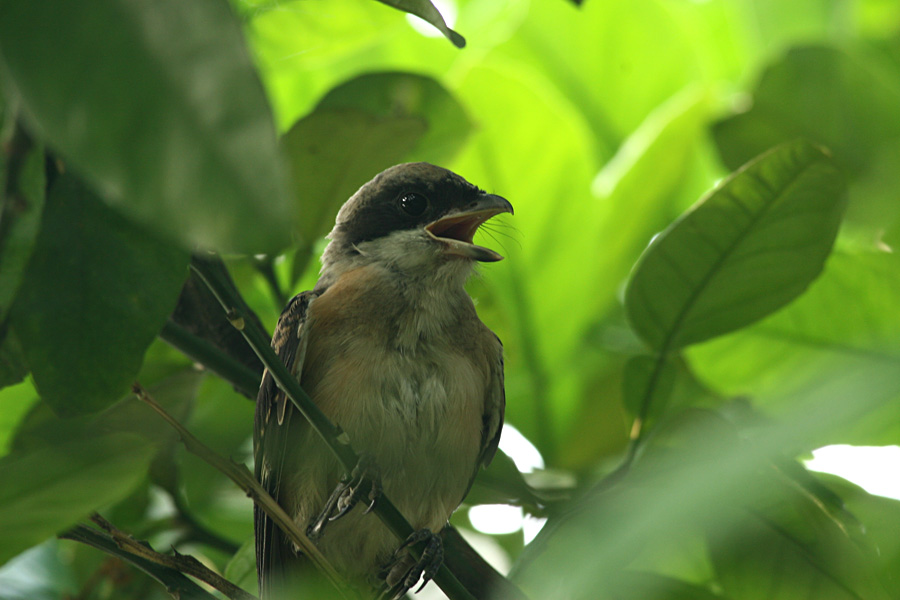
x: 494, y: 409
x: 492, y: 415
x: 271, y: 437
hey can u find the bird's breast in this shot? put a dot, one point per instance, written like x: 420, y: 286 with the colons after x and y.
x: 415, y: 406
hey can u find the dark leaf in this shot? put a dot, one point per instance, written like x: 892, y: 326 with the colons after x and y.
x: 332, y: 152
x: 157, y: 102
x: 424, y: 9
x: 398, y: 94
x: 22, y: 188
x: 749, y: 248
x: 96, y: 293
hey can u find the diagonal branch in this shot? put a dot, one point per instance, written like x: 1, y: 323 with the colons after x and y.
x: 172, y: 577
x: 215, y: 277
x: 245, y: 480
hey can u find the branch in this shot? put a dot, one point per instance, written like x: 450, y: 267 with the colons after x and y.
x: 176, y: 583
x: 243, y: 378
x: 213, y: 275
x: 245, y: 480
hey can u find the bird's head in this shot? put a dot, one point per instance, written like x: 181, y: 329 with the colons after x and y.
x: 415, y: 218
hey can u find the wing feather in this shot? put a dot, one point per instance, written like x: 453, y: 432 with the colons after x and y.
x: 272, y: 429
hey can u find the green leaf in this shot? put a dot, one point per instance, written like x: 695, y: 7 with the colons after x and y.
x: 49, y: 488
x: 424, y: 9
x: 787, y: 546
x: 647, y: 381
x: 843, y: 99
x: 823, y: 94
x: 880, y: 519
x: 97, y: 291
x: 241, y: 569
x: 20, y: 213
x: 397, y: 94
x: 748, y: 249
x: 163, y: 112
x: 332, y: 152
x: 15, y: 402
x: 847, y: 316
x: 13, y: 367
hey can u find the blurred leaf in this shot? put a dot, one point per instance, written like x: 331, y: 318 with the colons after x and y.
x: 97, y: 291
x: 789, y: 549
x: 844, y: 100
x: 398, y: 94
x: 748, y: 249
x: 847, y: 316
x: 38, y: 574
x: 644, y: 585
x: 13, y: 367
x: 332, y: 152
x: 502, y: 483
x: 15, y: 402
x: 222, y: 419
x: 881, y: 517
x: 22, y: 189
x: 424, y: 9
x: 647, y: 383
x: 241, y: 569
x: 820, y: 93
x: 163, y: 111
x: 51, y: 487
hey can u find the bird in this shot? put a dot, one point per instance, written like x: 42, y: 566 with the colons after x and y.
x: 388, y: 344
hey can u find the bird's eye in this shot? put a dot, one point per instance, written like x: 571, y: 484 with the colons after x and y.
x: 413, y: 204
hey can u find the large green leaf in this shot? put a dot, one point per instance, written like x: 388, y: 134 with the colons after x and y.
x: 333, y: 152
x: 787, y: 546
x: 844, y: 100
x: 50, y: 487
x: 848, y: 315
x: 158, y: 104
x: 823, y: 94
x: 746, y: 250
x: 96, y: 293
x: 395, y: 94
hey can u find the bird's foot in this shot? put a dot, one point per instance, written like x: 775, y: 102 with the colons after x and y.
x: 363, y: 481
x: 400, y: 576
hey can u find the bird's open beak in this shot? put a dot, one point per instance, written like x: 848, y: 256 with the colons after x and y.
x: 456, y: 231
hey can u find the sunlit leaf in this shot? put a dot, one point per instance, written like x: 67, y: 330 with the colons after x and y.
x: 159, y: 105
x: 51, y: 487
x: 96, y: 292
x: 748, y: 249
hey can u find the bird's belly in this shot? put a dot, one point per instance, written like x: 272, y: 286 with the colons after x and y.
x: 420, y: 418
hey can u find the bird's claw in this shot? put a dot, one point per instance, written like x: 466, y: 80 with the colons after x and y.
x: 364, y: 480
x: 426, y: 567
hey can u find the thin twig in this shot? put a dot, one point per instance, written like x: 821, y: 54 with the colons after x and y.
x: 182, y: 563
x: 177, y: 584
x: 245, y: 480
